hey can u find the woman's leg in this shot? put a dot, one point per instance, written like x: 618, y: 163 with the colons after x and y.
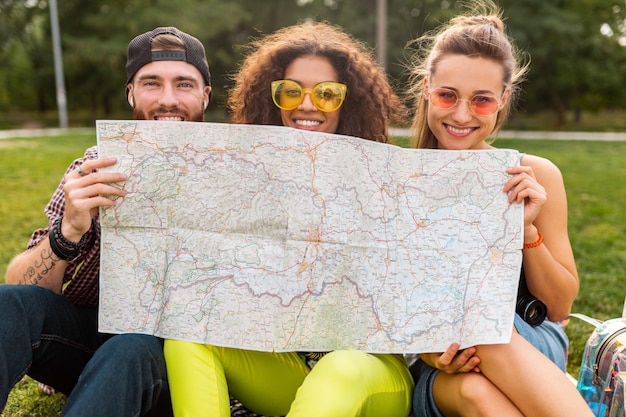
x: 351, y: 383
x: 196, y: 378
x: 467, y: 394
x: 202, y: 376
x: 477, y: 396
x: 530, y: 380
x: 265, y: 382
x: 529, y: 371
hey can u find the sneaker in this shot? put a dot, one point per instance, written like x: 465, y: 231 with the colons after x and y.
x: 47, y: 389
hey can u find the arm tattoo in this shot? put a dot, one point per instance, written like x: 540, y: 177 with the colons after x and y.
x: 36, y: 273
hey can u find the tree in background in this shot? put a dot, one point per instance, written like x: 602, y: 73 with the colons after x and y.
x: 24, y: 67
x: 578, y: 60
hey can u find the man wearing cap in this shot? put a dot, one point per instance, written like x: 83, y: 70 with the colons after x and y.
x: 49, y: 326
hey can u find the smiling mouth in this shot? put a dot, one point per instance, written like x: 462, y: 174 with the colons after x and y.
x: 169, y: 118
x: 307, y: 123
x: 460, y: 131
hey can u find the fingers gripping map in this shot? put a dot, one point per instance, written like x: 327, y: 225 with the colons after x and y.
x: 270, y: 238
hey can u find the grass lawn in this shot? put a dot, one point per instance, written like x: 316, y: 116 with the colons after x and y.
x: 30, y: 169
x: 594, y: 174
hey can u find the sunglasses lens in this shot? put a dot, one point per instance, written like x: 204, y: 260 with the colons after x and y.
x: 444, y: 99
x: 287, y: 95
x: 328, y: 96
x: 484, y: 105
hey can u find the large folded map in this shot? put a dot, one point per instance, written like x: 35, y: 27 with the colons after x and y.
x: 275, y: 239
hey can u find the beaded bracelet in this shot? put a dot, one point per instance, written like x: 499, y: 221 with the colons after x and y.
x: 63, y: 248
x: 538, y: 242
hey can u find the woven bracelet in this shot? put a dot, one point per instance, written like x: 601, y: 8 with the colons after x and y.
x: 63, y: 248
x: 538, y: 242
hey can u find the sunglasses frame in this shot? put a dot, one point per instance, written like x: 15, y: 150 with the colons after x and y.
x: 341, y: 87
x: 497, y: 109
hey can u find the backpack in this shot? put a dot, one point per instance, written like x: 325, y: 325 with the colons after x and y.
x: 602, y: 377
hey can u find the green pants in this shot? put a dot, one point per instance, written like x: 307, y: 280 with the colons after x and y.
x: 344, y: 383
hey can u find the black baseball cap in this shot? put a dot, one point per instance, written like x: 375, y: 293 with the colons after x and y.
x: 140, y: 52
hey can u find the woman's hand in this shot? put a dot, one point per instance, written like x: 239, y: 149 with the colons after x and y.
x: 523, y: 187
x: 453, y: 360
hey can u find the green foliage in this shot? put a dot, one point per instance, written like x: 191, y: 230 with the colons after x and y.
x: 574, y: 66
x: 578, y: 61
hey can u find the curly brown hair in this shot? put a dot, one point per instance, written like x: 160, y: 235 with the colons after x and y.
x: 370, y: 105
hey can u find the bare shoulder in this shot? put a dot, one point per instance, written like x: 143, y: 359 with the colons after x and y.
x: 542, y: 167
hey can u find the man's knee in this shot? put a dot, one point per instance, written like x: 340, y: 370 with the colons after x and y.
x: 129, y: 347
x: 23, y: 296
x: 26, y: 307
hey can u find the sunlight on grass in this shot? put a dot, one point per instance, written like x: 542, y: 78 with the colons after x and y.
x: 31, y: 170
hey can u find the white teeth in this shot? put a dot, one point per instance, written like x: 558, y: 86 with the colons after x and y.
x: 308, y: 123
x: 170, y: 119
x: 458, y: 131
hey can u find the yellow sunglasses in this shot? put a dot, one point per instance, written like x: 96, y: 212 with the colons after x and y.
x: 326, y: 96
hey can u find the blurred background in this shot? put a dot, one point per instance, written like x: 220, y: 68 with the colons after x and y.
x: 72, y: 54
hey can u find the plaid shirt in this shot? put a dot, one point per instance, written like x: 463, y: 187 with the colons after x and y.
x: 81, y: 276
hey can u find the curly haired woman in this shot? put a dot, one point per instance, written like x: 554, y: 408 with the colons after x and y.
x: 313, y: 77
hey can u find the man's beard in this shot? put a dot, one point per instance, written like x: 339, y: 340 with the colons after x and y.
x: 140, y: 114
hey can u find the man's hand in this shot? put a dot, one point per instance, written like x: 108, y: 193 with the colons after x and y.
x: 86, y: 190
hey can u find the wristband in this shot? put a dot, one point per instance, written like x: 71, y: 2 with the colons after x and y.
x: 63, y: 248
x: 536, y: 243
